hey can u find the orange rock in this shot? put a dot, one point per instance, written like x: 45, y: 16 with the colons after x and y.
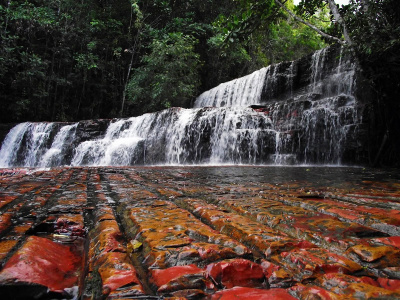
x: 5, y: 247
x: 377, y: 255
x: 5, y: 199
x: 109, y: 237
x: 22, y: 228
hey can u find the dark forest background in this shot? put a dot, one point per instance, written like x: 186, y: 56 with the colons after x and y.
x: 72, y: 60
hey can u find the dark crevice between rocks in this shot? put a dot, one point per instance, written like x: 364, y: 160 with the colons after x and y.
x: 119, y: 209
x: 89, y: 285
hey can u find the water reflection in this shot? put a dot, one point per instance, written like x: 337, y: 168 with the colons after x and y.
x: 307, y: 175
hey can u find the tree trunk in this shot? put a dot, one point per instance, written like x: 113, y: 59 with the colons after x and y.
x: 339, y: 19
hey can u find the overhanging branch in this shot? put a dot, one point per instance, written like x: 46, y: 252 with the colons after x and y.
x: 297, y: 18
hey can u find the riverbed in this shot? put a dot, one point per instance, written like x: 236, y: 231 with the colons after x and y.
x: 200, y: 232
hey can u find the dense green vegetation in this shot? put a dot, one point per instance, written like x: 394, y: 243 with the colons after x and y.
x: 71, y: 60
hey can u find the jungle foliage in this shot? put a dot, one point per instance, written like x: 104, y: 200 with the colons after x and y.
x: 72, y: 60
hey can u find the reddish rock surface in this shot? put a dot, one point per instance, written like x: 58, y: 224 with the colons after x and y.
x: 195, y: 233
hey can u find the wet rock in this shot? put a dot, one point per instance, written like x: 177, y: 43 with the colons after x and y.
x: 392, y: 240
x: 314, y: 293
x: 176, y: 239
x: 263, y: 238
x: 356, y: 287
x: 376, y: 255
x: 389, y: 284
x: 5, y: 247
x: 116, y: 272
x: 276, y: 275
x: 252, y: 293
x: 43, y: 262
x: 190, y: 294
x: 160, y: 277
x: 70, y: 224
x: 5, y: 221
x: 314, y: 262
x: 236, y: 272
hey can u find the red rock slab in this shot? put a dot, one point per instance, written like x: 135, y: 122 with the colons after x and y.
x: 311, y: 263
x: 326, y: 229
x: 389, y: 284
x: 391, y: 240
x: 160, y: 277
x: 178, y: 278
x: 252, y: 294
x: 252, y: 233
x: 6, y: 198
x: 357, y: 287
x: 117, y: 272
x: 41, y: 261
x: 26, y: 187
x: 236, y: 272
x: 104, y: 212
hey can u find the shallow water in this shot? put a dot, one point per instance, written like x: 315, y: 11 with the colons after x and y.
x: 317, y: 176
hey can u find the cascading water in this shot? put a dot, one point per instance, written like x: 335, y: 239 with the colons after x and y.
x: 243, y: 91
x: 54, y: 156
x: 296, y: 112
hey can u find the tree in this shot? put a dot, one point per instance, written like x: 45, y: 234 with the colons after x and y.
x: 168, y: 75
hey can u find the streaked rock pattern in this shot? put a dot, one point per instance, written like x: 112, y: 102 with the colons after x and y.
x: 199, y: 233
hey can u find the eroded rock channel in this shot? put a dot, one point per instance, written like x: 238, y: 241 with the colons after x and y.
x: 199, y: 233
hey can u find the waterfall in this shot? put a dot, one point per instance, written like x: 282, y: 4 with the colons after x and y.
x: 243, y: 91
x: 303, y: 111
x: 55, y: 155
x: 11, y: 144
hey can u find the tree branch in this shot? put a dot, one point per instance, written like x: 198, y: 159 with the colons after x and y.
x: 297, y: 18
